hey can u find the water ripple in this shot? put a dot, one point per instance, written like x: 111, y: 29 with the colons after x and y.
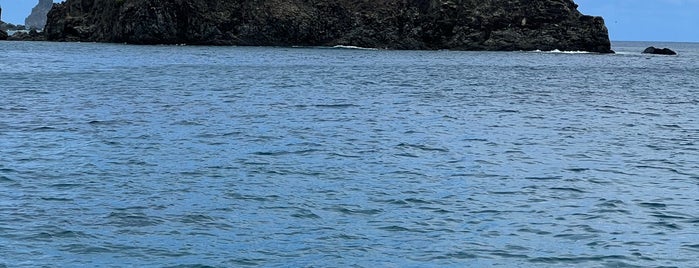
x: 314, y: 157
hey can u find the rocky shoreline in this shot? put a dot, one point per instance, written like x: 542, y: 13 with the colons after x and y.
x: 392, y: 24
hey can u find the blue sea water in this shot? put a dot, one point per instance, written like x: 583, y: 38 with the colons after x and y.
x: 182, y: 156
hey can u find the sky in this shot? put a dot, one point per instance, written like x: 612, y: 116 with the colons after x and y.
x: 647, y: 20
x: 15, y: 11
x: 627, y: 20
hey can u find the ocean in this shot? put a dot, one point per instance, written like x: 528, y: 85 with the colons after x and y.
x: 116, y: 155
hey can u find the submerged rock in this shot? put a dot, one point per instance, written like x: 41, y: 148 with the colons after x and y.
x: 37, y: 19
x: 658, y: 51
x: 393, y: 24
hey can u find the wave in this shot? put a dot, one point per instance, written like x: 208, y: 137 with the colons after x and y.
x: 338, y: 47
x: 634, y: 53
x: 354, y: 47
x: 563, y: 52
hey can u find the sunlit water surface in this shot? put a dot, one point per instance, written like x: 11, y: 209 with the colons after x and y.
x: 158, y: 156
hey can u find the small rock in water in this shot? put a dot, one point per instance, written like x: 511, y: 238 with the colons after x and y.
x: 658, y: 51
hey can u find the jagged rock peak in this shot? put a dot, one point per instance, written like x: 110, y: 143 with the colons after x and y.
x: 37, y: 19
x: 393, y: 24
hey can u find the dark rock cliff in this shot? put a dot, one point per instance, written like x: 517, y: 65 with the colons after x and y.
x: 394, y: 24
x: 37, y: 19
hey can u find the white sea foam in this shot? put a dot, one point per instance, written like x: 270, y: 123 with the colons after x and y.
x: 354, y: 47
x: 570, y: 52
x: 626, y: 53
x: 563, y: 52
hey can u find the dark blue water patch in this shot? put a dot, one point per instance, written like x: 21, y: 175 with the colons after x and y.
x: 652, y: 205
x: 305, y: 214
x: 198, y: 219
x: 247, y: 262
x: 253, y: 197
x: 670, y: 215
x: 543, y: 178
x: 283, y: 153
x: 105, y: 122
x: 203, y: 265
x: 401, y: 229
x: 567, y: 189
x: 85, y: 249
x: 577, y: 259
x: 666, y: 225
x: 577, y: 169
x: 351, y: 210
x: 621, y: 264
x: 422, y: 147
x: 6, y: 179
x: 606, y: 211
x: 330, y: 106
x: 66, y: 185
x: 57, y: 199
x: 132, y: 219
x: 611, y: 203
x: 44, y: 129
x: 51, y: 233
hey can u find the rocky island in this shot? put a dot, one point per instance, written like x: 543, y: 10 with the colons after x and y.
x: 392, y: 24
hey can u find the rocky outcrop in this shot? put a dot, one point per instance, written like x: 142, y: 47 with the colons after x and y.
x: 4, y: 26
x: 393, y: 24
x: 658, y: 51
x: 31, y: 35
x: 37, y: 19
